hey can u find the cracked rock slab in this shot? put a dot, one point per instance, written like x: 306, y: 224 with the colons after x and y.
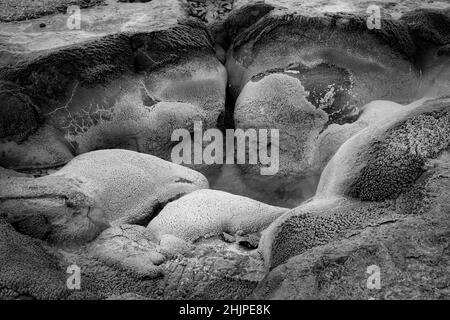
x: 29, y: 268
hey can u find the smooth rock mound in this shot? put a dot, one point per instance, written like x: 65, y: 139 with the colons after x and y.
x: 130, y: 185
x: 207, y: 213
x: 94, y: 190
x: 279, y: 101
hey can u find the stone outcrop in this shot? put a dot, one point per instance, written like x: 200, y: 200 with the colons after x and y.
x: 92, y: 192
x: 207, y: 213
x: 363, y: 181
x: 100, y: 90
x: 365, y: 110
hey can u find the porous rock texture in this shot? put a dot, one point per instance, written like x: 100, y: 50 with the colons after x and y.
x: 374, y: 113
x: 95, y: 190
x: 207, y: 213
x: 128, y: 83
x: 28, y: 9
x: 410, y: 251
x: 59, y: 95
x: 365, y: 182
x: 382, y: 161
x: 125, y: 247
x: 337, y: 66
x: 279, y: 101
x: 131, y: 184
x: 314, y: 39
x: 33, y: 270
x: 29, y: 268
x: 204, y: 272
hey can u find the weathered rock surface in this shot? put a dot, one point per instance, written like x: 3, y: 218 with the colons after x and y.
x: 96, y: 22
x: 208, y: 213
x: 374, y: 113
x: 131, y: 185
x: 315, y: 39
x: 119, y: 264
x: 11, y: 10
x: 99, y: 87
x: 338, y: 65
x: 127, y: 296
x: 410, y: 252
x: 93, y: 191
x: 383, y: 198
x: 383, y: 160
x: 54, y: 209
x: 29, y: 268
x: 359, y: 185
x: 279, y: 101
x: 203, y: 272
x: 126, y: 247
x: 311, y: 37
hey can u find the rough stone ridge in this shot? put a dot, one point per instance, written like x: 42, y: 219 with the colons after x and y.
x: 393, y: 33
x: 429, y: 24
x: 48, y: 76
x: 167, y: 46
x: 94, y: 190
x: 306, y: 227
x: 367, y: 173
x: 397, y: 159
x: 238, y: 21
x: 410, y: 251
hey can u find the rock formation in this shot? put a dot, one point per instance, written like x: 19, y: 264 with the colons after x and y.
x: 86, y: 118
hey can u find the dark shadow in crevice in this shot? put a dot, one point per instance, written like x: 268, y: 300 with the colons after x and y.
x: 228, y: 117
x: 145, y: 220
